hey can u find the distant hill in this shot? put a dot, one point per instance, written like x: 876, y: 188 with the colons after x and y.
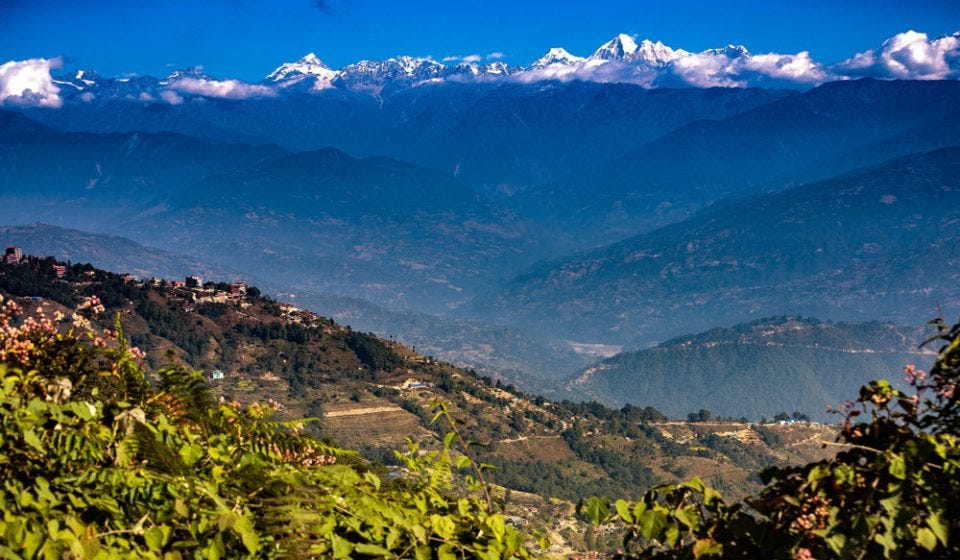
x: 380, y: 229
x: 827, y: 130
x: 877, y: 243
x: 377, y: 228
x: 110, y: 252
x: 77, y: 178
x: 517, y: 357
x: 503, y: 136
x: 756, y: 369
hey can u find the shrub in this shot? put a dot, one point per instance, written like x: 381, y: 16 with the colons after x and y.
x: 97, y: 462
x: 889, y: 492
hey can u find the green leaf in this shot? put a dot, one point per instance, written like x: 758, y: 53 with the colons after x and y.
x: 818, y: 472
x: 243, y: 527
x: 450, y: 439
x: 371, y: 549
x: 191, y: 453
x: 926, y: 538
x: 443, y: 526
x: 623, y: 510
x: 373, y: 479
x: 696, y: 485
x: 652, y: 524
x: 342, y: 548
x: 683, y: 516
x: 898, y: 467
x: 497, y: 526
x: 31, y: 439
x: 597, y: 509
x: 939, y: 527
x: 836, y: 541
x: 462, y: 462
x: 156, y: 537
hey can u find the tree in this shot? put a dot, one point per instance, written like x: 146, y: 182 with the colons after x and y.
x: 887, y: 493
x: 702, y: 416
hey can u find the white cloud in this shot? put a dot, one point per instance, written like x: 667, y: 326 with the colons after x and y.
x: 591, y: 70
x: 470, y: 58
x: 908, y: 55
x: 230, y: 89
x: 171, y: 97
x: 145, y: 96
x: 28, y: 82
x: 706, y: 69
x: 792, y: 67
x: 497, y: 55
x: 87, y: 96
x: 728, y: 68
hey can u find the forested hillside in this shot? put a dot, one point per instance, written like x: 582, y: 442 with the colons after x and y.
x: 374, y: 394
x: 756, y: 369
x: 103, y: 456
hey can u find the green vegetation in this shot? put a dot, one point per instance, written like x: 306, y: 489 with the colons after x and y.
x: 139, y: 460
x: 887, y: 494
x: 756, y: 369
x: 313, y: 366
x: 99, y: 463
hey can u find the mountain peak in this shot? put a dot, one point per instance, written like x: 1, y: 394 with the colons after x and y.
x: 618, y: 48
x: 192, y: 72
x: 557, y: 55
x: 308, y: 69
x: 312, y: 59
x: 730, y: 51
x: 655, y: 53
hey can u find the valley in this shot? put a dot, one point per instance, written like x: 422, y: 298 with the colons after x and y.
x: 530, y: 282
x: 375, y: 395
x: 333, y: 279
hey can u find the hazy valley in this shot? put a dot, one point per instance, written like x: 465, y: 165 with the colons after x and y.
x: 433, y: 307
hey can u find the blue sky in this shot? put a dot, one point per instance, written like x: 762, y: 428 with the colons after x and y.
x: 247, y: 38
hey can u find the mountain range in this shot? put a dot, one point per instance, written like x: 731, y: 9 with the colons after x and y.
x: 523, y: 222
x: 620, y: 60
x: 872, y: 243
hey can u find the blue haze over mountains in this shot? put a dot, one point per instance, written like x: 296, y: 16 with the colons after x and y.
x: 495, y: 222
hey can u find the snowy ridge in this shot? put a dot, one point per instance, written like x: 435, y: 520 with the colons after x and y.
x: 308, y: 69
x: 557, y: 55
x: 655, y: 53
x: 618, y: 48
x: 622, y: 59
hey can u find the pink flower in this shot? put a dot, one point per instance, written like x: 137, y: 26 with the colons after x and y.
x: 948, y: 390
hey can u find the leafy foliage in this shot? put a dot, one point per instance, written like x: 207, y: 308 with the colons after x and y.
x: 885, y: 495
x: 98, y: 463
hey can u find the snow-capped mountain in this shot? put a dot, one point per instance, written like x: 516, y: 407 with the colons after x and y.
x: 622, y: 59
x: 374, y: 75
x: 618, y: 48
x: 194, y: 73
x: 309, y: 70
x: 655, y: 54
x: 729, y: 51
x: 557, y: 55
x: 80, y: 80
x: 471, y: 70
